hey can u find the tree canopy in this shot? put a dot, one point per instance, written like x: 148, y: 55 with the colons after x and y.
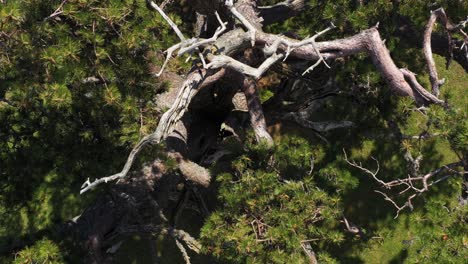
x: 283, y: 131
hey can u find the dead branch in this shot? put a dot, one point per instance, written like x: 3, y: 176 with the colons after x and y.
x: 309, y: 252
x: 423, y: 93
x: 187, y: 45
x: 195, y: 81
x: 359, y: 166
x: 168, y: 20
x: 203, y: 42
x: 410, y: 183
x: 128, y: 164
x: 290, y: 46
x: 440, y: 15
x: 190, y: 170
x: 399, y: 208
x: 401, y: 81
x: 427, y: 49
x: 166, y: 2
x: 223, y: 61
x: 218, y: 61
x: 251, y: 29
x: 368, y: 41
x: 169, y: 53
x: 183, y: 251
x: 57, y: 11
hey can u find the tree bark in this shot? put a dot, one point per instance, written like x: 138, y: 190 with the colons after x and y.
x: 257, y: 118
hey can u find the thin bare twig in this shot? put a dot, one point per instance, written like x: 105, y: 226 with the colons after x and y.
x: 359, y: 166
x: 57, y: 11
x: 187, y: 45
x: 409, y: 182
x: 292, y: 45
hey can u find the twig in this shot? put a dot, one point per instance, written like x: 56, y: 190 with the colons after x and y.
x: 57, y: 11
x: 408, y: 182
x: 169, y: 20
x: 168, y: 52
x: 394, y: 204
x: 220, y: 30
x: 128, y: 164
x: 292, y: 45
x: 359, y: 166
x: 187, y: 45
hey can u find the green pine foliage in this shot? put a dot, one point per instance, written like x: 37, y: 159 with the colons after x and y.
x: 76, y: 92
x: 271, y: 202
x: 43, y: 251
x: 57, y: 130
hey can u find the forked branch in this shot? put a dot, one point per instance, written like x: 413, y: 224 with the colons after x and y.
x: 271, y: 49
x: 410, y: 184
x: 187, y: 45
x: 251, y: 29
x: 223, y: 61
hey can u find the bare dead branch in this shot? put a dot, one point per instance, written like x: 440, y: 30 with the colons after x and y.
x: 168, y: 52
x: 190, y: 170
x: 440, y: 15
x: 166, y: 2
x: 168, y: 20
x: 427, y: 49
x: 128, y: 164
x: 418, y: 87
x: 195, y: 81
x: 368, y: 41
x: 57, y: 11
x: 270, y: 49
x: 309, y: 252
x: 220, y: 61
x: 409, y: 183
x: 359, y: 166
x: 187, y: 45
x: 399, y: 208
x: 251, y: 29
x: 220, y: 30
x: 401, y: 81
x: 191, y: 242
